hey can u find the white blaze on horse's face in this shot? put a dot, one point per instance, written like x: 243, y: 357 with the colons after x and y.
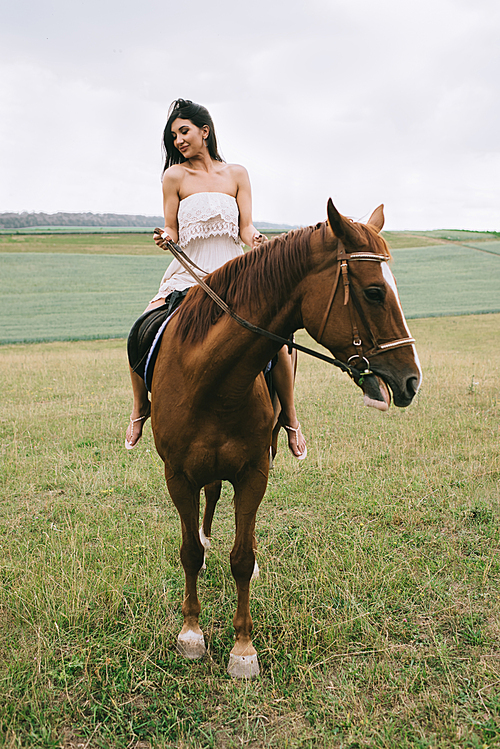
x: 389, y: 278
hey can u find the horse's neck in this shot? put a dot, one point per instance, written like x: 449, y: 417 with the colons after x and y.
x: 230, y: 346
x: 264, y: 287
x: 270, y: 299
x: 273, y: 278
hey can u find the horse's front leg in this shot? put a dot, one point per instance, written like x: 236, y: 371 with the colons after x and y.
x: 190, y: 642
x: 243, y: 662
x: 212, y: 495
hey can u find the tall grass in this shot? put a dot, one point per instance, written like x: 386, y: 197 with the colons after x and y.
x: 377, y: 611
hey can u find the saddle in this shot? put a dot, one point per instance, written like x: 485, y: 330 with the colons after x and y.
x: 146, y: 333
x: 145, y: 336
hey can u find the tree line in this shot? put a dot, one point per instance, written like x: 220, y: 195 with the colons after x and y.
x: 25, y: 219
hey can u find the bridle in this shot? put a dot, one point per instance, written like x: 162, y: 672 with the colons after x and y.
x: 350, y: 300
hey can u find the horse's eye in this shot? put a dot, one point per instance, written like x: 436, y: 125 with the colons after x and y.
x: 374, y: 294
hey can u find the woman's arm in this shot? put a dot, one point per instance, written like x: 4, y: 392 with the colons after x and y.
x: 171, y: 183
x: 248, y: 232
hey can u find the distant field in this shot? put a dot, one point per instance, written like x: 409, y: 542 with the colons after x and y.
x: 63, y: 297
x: 88, y: 244
x: 63, y: 287
x: 398, y: 239
x: 79, y: 230
x: 448, y: 280
x: 139, y: 241
x: 112, y: 243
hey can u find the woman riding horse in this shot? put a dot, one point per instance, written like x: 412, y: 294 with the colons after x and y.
x: 212, y: 417
x: 208, y: 210
x: 211, y: 414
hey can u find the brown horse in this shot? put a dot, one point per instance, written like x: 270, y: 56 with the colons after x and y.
x: 212, y: 417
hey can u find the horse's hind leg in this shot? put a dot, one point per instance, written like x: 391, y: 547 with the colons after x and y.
x: 190, y: 642
x: 243, y: 662
x: 212, y: 495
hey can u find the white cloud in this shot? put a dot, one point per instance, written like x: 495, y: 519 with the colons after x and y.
x: 392, y: 102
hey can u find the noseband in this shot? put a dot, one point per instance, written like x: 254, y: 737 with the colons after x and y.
x: 343, y: 259
x: 351, y: 301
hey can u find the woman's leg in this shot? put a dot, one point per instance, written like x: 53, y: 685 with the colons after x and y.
x: 141, y: 407
x: 140, y: 410
x: 283, y: 382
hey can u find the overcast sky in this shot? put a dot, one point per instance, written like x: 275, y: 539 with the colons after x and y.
x: 366, y: 101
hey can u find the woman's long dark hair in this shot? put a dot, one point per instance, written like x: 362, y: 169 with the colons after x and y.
x: 199, y: 116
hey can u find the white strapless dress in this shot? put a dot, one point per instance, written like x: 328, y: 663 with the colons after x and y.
x: 208, y: 234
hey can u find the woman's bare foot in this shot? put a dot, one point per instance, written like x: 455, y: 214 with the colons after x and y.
x: 296, y: 440
x: 134, y: 429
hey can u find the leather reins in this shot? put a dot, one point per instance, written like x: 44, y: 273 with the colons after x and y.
x: 343, y: 259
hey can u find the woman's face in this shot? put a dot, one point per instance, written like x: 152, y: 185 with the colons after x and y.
x: 188, y: 138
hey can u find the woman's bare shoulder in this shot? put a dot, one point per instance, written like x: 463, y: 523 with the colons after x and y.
x: 174, y: 174
x: 237, y: 170
x: 239, y: 174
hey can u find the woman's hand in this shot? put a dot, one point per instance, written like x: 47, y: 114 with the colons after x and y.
x: 257, y: 240
x: 162, y: 237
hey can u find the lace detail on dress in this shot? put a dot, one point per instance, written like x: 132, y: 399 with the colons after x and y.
x: 208, y: 222
x: 215, y: 227
x: 208, y: 214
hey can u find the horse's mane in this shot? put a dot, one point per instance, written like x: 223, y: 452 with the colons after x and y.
x: 264, y: 274
x: 261, y: 276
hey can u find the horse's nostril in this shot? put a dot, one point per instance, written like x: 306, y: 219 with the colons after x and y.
x: 412, y: 386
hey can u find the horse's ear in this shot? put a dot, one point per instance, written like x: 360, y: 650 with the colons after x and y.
x: 338, y: 224
x: 377, y: 219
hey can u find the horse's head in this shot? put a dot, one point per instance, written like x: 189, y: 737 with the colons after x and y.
x: 351, y: 305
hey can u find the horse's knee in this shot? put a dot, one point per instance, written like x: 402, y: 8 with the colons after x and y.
x: 242, y: 564
x: 192, y: 556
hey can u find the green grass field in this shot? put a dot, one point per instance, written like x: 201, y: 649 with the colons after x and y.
x: 90, y: 286
x: 448, y: 279
x: 63, y: 296
x: 377, y: 614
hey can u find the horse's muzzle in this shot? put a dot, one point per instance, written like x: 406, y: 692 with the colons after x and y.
x: 376, y: 393
x: 403, y: 389
x: 376, y: 389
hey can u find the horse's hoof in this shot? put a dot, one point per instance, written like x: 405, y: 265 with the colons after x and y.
x: 243, y: 666
x: 191, y: 645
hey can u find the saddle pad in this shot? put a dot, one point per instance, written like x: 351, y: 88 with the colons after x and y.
x: 145, y: 336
